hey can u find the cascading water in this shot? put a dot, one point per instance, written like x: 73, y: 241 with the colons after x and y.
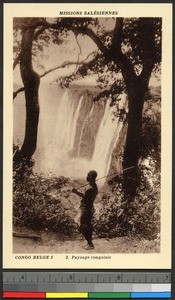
x: 85, y: 124
x: 106, y: 140
x: 74, y: 134
x: 67, y: 115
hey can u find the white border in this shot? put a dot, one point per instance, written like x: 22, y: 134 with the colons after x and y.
x: 159, y: 260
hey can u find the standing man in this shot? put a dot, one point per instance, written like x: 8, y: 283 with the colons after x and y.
x: 87, y: 208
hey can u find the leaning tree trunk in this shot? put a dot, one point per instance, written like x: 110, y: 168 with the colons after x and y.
x: 136, y: 88
x: 31, y: 83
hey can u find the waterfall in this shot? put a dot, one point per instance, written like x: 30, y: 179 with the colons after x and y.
x: 106, y: 140
x: 84, y: 126
x: 67, y: 115
x: 74, y: 122
x: 74, y: 133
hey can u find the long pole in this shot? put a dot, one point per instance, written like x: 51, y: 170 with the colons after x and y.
x: 126, y: 169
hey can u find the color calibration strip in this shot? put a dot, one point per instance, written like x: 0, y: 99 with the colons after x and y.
x: 96, y: 295
x: 87, y: 285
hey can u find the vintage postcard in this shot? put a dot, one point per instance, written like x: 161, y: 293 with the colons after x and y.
x: 87, y: 136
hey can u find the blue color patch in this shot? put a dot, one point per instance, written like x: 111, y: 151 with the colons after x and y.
x: 162, y: 295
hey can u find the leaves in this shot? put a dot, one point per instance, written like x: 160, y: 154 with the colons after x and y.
x: 142, y: 38
x: 141, y: 217
x: 117, y: 217
x: 34, y: 205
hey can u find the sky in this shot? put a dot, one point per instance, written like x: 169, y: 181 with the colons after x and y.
x: 70, y: 50
x: 56, y: 55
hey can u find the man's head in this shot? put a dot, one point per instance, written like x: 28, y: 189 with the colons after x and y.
x: 91, y: 176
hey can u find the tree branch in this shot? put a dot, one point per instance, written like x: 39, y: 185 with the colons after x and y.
x: 114, y: 89
x: 117, y: 35
x: 149, y: 52
x: 45, y: 25
x: 19, y: 23
x: 90, y: 33
x: 17, y: 59
x: 78, y: 53
x: 18, y: 91
x: 67, y: 64
x: 37, y: 33
x: 64, y: 65
x: 116, y: 51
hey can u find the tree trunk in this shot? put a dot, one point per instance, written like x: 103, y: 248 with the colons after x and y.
x: 136, y: 88
x: 31, y: 81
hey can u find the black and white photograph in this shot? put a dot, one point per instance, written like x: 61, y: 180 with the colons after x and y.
x: 87, y: 133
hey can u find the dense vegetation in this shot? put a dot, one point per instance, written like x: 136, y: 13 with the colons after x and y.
x: 125, y: 58
x: 39, y: 201
x: 129, y: 204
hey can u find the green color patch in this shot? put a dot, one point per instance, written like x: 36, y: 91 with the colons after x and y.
x: 109, y: 295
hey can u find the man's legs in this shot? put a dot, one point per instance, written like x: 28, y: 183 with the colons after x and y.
x: 88, y: 234
x: 86, y: 230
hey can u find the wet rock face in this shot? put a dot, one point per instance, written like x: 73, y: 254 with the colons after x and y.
x: 75, y: 134
x: 88, y: 122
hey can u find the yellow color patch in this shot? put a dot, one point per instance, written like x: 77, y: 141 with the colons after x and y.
x: 66, y: 295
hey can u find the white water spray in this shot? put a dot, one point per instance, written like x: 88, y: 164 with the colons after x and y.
x: 106, y: 140
x: 83, y: 127
x: 65, y: 133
